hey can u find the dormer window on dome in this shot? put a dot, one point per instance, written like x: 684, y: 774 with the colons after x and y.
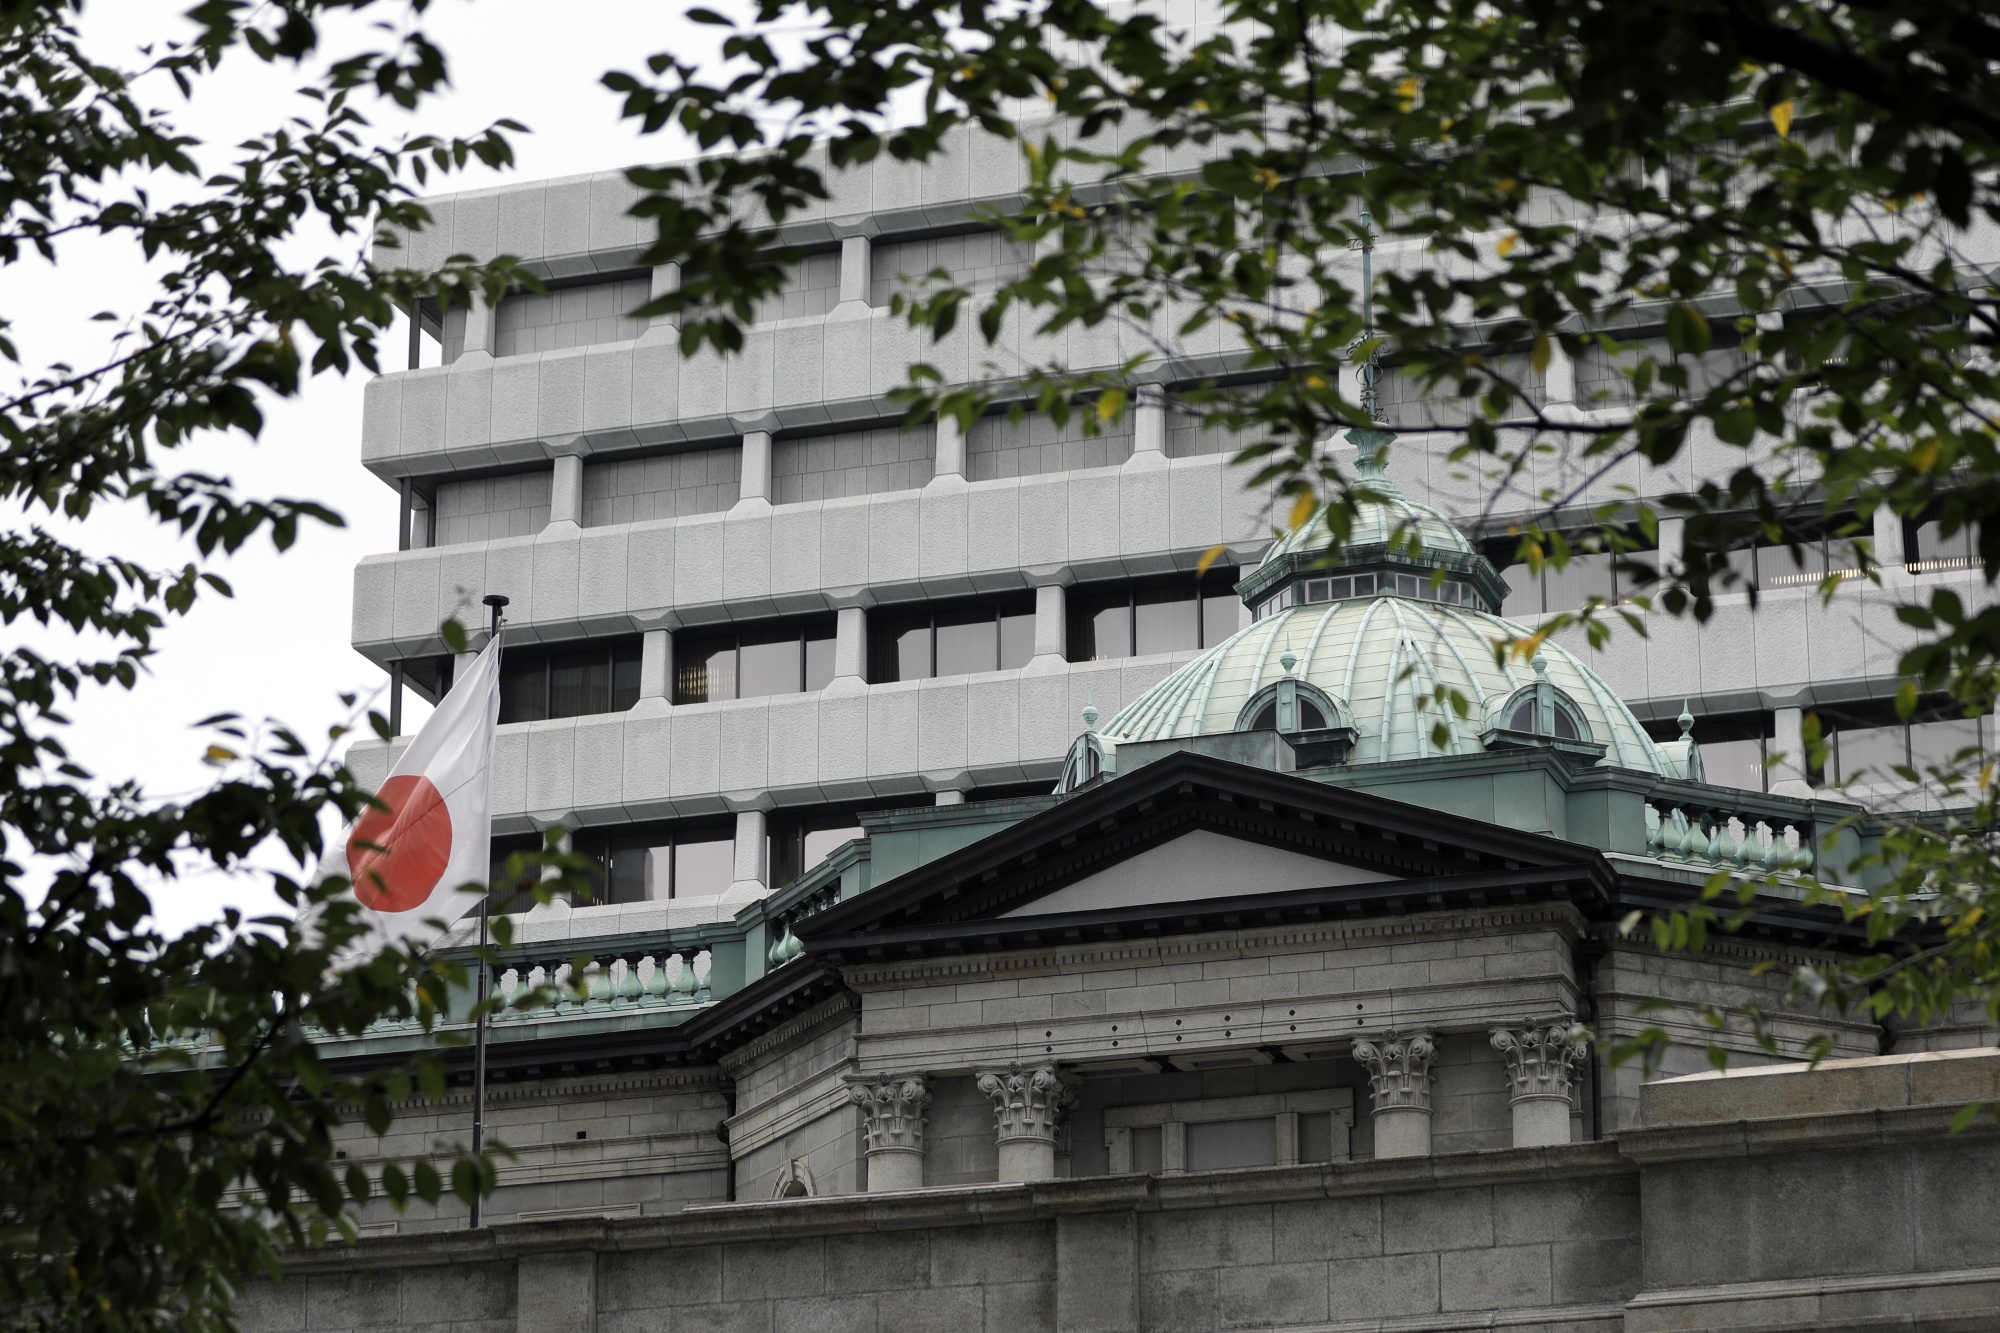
x: 1308, y: 718
x: 1541, y: 714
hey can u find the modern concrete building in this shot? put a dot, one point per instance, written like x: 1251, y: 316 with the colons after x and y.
x: 1129, y: 933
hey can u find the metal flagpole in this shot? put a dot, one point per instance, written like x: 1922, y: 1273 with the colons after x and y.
x: 497, y: 602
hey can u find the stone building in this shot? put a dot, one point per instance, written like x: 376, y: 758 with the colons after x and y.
x: 1003, y: 926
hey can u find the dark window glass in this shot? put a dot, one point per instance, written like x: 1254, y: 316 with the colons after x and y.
x: 1524, y: 717
x: 573, y: 681
x: 1938, y: 743
x: 1566, y: 727
x: 1158, y: 616
x: 770, y: 662
x: 1267, y: 718
x: 967, y: 641
x: 1017, y: 638
x: 950, y: 640
x: 753, y: 662
x: 703, y: 869
x: 1871, y: 753
x: 1165, y: 620
x: 1310, y: 718
x: 1584, y: 577
x: 1221, y: 1145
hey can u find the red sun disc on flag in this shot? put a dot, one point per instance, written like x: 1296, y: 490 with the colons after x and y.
x: 396, y: 856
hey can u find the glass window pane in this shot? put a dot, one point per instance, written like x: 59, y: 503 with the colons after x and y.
x: 1220, y: 1145
x: 580, y: 684
x: 1738, y: 763
x: 913, y: 653
x: 967, y: 641
x: 1524, y: 593
x: 703, y: 869
x: 1584, y: 577
x: 1111, y: 632
x: 1220, y: 612
x: 819, y: 658
x: 1937, y: 744
x: 769, y: 663
x: 625, y: 677
x: 524, y: 686
x: 1017, y: 638
x: 820, y: 843
x: 628, y: 876
x: 1780, y: 567
x: 1871, y: 753
x: 1166, y: 621
x: 704, y: 669
x: 1316, y: 1136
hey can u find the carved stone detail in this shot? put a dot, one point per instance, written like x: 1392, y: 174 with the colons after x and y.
x: 1399, y: 1070
x: 1028, y: 1102
x: 892, y: 1111
x: 1540, y: 1057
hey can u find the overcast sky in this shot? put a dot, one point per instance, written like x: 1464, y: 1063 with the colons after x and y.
x: 280, y: 648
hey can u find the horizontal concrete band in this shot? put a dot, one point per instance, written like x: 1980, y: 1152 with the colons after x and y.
x: 974, y: 1205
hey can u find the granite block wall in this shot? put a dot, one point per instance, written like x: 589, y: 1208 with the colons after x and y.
x: 597, y: 312
x: 664, y: 485
x: 999, y: 446
x: 481, y: 509
x: 857, y: 462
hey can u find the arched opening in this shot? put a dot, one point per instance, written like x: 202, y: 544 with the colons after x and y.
x: 1310, y: 717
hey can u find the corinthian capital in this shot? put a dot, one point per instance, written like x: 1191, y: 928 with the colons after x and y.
x: 1399, y: 1070
x: 1540, y: 1057
x: 892, y: 1110
x: 1029, y: 1102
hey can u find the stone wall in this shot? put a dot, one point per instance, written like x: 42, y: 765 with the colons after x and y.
x: 852, y: 462
x: 514, y: 505
x: 658, y: 486
x: 1770, y: 1199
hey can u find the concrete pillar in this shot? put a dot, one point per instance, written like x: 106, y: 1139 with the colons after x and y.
x: 850, y: 646
x: 1149, y: 424
x: 892, y: 1114
x: 566, y: 491
x: 1559, y: 380
x: 1051, y: 626
x: 656, y: 665
x: 1673, y: 545
x: 1028, y: 1105
x: 1399, y: 1077
x: 752, y: 849
x: 856, y: 256
x: 950, y: 454
x: 1540, y: 1058
x: 478, y: 329
x: 1889, y: 552
x: 756, y: 483
x: 1789, y: 774
x: 666, y: 281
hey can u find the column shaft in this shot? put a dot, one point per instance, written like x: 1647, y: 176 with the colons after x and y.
x: 950, y: 453
x: 656, y: 665
x: 751, y: 852
x: 756, y: 474
x: 856, y: 256
x: 566, y: 491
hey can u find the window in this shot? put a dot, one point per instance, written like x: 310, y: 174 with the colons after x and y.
x: 1927, y: 548
x: 1734, y: 749
x: 1310, y: 717
x: 693, y: 862
x: 1586, y: 575
x: 1524, y: 720
x: 1171, y: 615
x: 1867, y: 743
x: 1222, y: 1145
x: 752, y: 662
x: 537, y: 684
x: 800, y: 840
x: 955, y: 640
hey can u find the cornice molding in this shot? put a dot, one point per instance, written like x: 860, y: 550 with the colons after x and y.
x: 828, y: 1013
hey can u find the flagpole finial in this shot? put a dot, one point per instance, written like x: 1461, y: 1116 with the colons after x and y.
x: 498, y: 601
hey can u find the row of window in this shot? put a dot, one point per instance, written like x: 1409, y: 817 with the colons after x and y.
x: 1865, y: 743
x: 1417, y: 587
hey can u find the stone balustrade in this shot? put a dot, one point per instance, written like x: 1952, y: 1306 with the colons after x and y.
x: 1718, y: 838
x: 606, y: 984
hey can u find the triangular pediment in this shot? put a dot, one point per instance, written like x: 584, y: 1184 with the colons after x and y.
x: 1192, y: 842
x: 1198, y: 866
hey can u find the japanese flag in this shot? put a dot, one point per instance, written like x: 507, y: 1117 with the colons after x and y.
x: 409, y: 860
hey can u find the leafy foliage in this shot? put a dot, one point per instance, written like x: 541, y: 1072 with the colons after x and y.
x: 167, y: 1120
x: 1798, y: 196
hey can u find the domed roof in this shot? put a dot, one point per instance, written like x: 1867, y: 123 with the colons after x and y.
x: 1380, y: 661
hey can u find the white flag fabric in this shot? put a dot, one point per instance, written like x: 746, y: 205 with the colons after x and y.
x: 408, y: 861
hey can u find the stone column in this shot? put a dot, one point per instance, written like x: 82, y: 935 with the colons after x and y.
x: 892, y: 1111
x: 1149, y: 424
x: 751, y: 846
x: 1051, y: 628
x: 1028, y: 1102
x: 949, y: 457
x: 478, y: 329
x: 850, y: 647
x: 1789, y: 776
x: 566, y: 491
x: 656, y: 665
x: 1889, y: 552
x: 1399, y: 1077
x: 1673, y: 543
x: 856, y: 268
x: 666, y: 281
x: 1539, y: 1060
x: 755, y: 483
